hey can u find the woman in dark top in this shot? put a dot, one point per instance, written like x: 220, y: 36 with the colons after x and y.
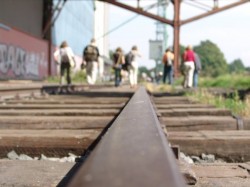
x: 119, y: 59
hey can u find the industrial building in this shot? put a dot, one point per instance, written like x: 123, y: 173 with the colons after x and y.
x: 31, y: 30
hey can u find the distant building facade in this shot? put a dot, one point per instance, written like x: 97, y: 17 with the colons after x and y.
x: 52, y: 21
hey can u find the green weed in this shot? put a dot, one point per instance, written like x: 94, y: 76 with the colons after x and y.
x: 234, y: 104
x: 77, y: 77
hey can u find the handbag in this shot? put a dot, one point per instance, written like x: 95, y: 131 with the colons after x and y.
x: 57, y: 57
x: 83, y: 66
x: 72, y: 62
x: 169, y: 62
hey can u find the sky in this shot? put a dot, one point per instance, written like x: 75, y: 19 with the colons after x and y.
x: 229, y: 30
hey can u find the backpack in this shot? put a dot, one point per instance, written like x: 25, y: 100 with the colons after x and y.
x: 128, y: 60
x: 90, y: 53
x: 64, y: 55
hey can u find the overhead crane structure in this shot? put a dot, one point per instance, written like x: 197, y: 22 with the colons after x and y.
x: 176, y: 22
x: 161, y: 29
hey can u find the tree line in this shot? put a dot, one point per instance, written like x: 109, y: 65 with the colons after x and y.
x: 213, y: 61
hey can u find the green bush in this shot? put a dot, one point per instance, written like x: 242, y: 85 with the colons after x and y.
x: 53, y: 79
x: 238, y: 81
x: 79, y: 77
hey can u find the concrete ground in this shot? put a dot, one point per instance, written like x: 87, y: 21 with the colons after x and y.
x: 49, y: 173
x: 32, y: 173
x: 217, y: 174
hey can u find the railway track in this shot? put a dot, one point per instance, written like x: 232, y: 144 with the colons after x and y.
x: 60, y: 123
x: 116, y: 135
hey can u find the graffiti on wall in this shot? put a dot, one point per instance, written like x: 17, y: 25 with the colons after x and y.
x: 22, y: 56
x: 18, y: 62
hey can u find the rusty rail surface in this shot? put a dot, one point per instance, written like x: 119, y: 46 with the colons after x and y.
x: 133, y: 152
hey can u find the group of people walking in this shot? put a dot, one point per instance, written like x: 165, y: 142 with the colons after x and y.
x: 190, y: 67
x: 127, y: 63
x: 65, y: 57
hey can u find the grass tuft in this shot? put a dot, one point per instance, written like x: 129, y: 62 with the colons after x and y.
x: 234, y: 104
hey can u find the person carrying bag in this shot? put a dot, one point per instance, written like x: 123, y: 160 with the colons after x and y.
x: 67, y: 61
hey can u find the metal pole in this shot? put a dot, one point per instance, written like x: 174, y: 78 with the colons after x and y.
x: 49, y: 35
x: 176, y: 44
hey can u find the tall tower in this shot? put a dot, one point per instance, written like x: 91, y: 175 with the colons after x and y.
x: 160, y: 44
x: 161, y: 28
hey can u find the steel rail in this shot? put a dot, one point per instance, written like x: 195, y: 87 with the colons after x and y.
x: 133, y: 152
